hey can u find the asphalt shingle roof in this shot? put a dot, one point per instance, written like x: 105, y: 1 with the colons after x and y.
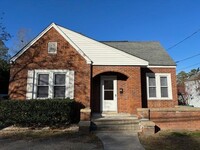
x: 153, y: 52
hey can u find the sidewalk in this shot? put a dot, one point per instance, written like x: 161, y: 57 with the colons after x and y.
x: 120, y: 141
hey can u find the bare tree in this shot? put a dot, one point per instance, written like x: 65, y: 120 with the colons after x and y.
x: 4, y: 58
x: 4, y: 36
x: 21, y: 39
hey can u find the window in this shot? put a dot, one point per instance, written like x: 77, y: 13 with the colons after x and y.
x: 152, y: 87
x: 159, y: 86
x: 108, y: 90
x: 163, y: 86
x: 46, y: 85
x: 43, y: 85
x: 50, y: 83
x: 52, y: 47
x: 59, y: 85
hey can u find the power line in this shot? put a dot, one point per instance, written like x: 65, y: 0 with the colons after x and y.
x: 188, y: 66
x: 183, y: 40
x: 187, y: 58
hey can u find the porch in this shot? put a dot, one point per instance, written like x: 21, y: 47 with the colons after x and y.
x: 116, y: 90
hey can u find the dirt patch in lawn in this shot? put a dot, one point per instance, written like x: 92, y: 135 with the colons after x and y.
x: 172, y: 140
x: 49, y: 140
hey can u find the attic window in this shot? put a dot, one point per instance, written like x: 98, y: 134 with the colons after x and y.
x: 52, y: 47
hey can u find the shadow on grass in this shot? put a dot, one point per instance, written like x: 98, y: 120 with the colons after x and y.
x: 58, y: 140
x: 172, y: 141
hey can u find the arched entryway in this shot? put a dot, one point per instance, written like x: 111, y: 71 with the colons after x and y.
x: 107, y: 91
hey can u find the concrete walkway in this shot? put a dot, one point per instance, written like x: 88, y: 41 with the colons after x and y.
x: 119, y: 141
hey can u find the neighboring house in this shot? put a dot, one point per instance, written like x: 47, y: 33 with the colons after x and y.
x: 192, y: 88
x: 104, y: 76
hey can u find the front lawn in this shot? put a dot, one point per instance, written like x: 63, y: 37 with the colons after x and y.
x: 49, y: 140
x: 172, y: 140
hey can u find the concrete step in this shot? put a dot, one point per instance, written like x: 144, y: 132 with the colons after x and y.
x: 124, y: 128
x: 115, y: 122
x: 116, y: 128
x: 110, y: 122
x: 112, y: 114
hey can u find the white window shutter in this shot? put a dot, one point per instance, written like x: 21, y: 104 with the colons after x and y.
x: 71, y: 85
x: 29, y: 89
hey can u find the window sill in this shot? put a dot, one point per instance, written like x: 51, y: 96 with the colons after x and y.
x: 52, y: 53
x: 160, y: 99
x: 42, y: 98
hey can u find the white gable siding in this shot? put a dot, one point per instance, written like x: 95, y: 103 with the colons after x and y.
x: 102, y: 54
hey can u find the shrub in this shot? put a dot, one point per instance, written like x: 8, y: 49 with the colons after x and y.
x: 38, y: 113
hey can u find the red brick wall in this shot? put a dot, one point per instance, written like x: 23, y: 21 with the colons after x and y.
x: 37, y: 57
x: 159, y: 103
x: 176, y: 118
x: 130, y: 100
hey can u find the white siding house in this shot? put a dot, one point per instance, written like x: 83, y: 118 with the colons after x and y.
x: 192, y: 88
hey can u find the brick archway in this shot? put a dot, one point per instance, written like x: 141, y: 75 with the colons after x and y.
x: 128, y: 79
x: 107, y: 70
x: 121, y: 83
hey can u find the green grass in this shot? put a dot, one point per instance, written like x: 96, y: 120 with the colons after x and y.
x: 172, y: 140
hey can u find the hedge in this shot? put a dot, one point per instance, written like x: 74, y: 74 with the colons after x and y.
x: 38, y: 113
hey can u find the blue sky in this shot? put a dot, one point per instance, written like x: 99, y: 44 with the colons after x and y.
x: 166, y: 21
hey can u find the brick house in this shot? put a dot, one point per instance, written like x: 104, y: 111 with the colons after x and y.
x: 103, y: 76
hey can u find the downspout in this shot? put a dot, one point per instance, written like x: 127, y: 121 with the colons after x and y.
x: 91, y: 85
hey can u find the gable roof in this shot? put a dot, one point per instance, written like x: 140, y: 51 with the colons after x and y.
x: 100, y: 53
x: 93, y: 51
x: 53, y: 25
x: 153, y: 52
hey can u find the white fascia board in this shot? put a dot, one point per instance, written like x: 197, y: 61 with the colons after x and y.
x: 161, y: 66
x: 41, y: 34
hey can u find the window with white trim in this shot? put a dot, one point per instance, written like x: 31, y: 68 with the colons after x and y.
x: 59, y: 85
x: 47, y: 84
x: 152, y: 86
x: 52, y: 47
x: 42, y: 85
x: 164, y: 86
x: 51, y: 85
x: 159, y: 86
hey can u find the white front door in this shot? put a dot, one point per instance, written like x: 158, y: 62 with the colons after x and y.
x: 109, y: 93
